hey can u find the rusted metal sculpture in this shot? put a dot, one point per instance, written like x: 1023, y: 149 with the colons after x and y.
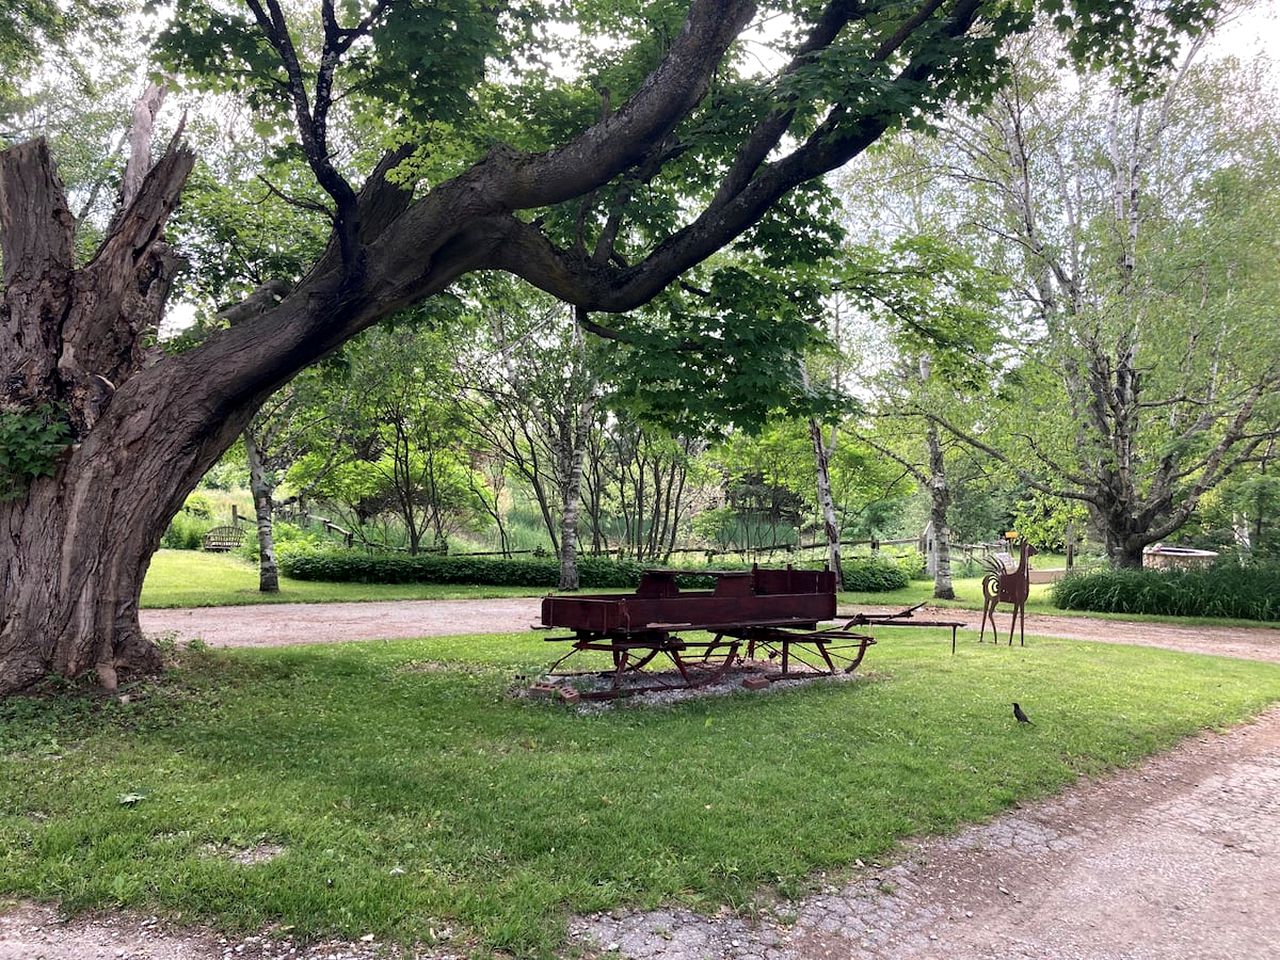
x: 904, y: 618
x: 776, y: 612
x: 1007, y: 583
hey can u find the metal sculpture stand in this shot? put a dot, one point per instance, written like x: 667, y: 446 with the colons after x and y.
x: 904, y: 618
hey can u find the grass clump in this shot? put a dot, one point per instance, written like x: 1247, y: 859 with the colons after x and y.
x: 399, y: 800
x: 1224, y: 590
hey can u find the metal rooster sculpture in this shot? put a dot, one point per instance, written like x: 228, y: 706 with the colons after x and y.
x: 1003, y: 585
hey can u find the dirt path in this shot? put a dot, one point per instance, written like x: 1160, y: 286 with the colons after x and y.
x: 279, y: 624
x: 1248, y: 643
x: 1177, y: 858
x: 282, y: 624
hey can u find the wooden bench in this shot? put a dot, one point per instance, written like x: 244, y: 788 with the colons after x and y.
x: 222, y: 539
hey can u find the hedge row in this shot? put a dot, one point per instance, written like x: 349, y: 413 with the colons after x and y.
x: 1225, y: 590
x: 348, y: 566
x: 873, y: 576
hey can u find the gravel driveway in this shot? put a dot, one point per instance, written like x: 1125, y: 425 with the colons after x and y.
x: 1176, y: 858
x: 282, y: 624
x: 279, y: 624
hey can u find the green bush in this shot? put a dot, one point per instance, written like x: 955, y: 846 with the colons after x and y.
x: 911, y: 562
x: 288, y: 538
x: 873, y: 575
x: 30, y: 442
x: 198, y: 505
x: 186, y: 532
x: 350, y: 566
x: 1224, y: 590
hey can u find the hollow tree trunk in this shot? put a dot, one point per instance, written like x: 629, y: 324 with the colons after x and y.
x: 75, y: 545
x: 268, y: 572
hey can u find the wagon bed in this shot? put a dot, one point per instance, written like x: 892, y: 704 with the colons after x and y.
x: 748, y: 612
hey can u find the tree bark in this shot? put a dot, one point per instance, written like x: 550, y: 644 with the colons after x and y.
x: 75, y: 546
x: 830, y: 525
x: 939, y: 505
x: 1127, y: 557
x: 573, y: 493
x: 268, y: 572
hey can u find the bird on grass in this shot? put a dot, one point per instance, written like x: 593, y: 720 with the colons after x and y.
x: 1019, y: 715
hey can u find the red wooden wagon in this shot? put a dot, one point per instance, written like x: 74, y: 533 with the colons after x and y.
x: 774, y: 612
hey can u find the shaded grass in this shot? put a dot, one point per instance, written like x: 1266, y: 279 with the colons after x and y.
x: 411, y: 799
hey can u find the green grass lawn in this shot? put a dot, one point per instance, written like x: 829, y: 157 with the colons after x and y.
x: 411, y: 794
x: 190, y: 578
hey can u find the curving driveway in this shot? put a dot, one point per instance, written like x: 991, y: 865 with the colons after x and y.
x: 279, y: 624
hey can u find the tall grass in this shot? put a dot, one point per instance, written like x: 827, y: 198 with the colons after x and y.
x: 1224, y: 590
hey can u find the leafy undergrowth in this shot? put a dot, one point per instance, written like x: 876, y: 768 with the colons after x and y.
x: 1224, y: 590
x: 408, y: 793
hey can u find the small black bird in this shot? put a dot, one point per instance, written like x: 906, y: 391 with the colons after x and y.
x: 1019, y: 715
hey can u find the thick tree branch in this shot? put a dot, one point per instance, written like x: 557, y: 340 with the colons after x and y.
x: 1025, y: 476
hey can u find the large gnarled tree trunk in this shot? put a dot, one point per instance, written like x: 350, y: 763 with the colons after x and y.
x: 75, y: 545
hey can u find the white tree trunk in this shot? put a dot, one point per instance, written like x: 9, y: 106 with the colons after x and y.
x: 573, y: 493
x: 830, y: 523
x: 268, y: 572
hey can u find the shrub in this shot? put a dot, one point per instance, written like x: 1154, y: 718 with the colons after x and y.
x: 288, y: 538
x: 199, y: 506
x: 30, y: 442
x: 186, y: 532
x: 911, y: 562
x: 873, y: 575
x: 349, y: 566
x: 1224, y: 590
